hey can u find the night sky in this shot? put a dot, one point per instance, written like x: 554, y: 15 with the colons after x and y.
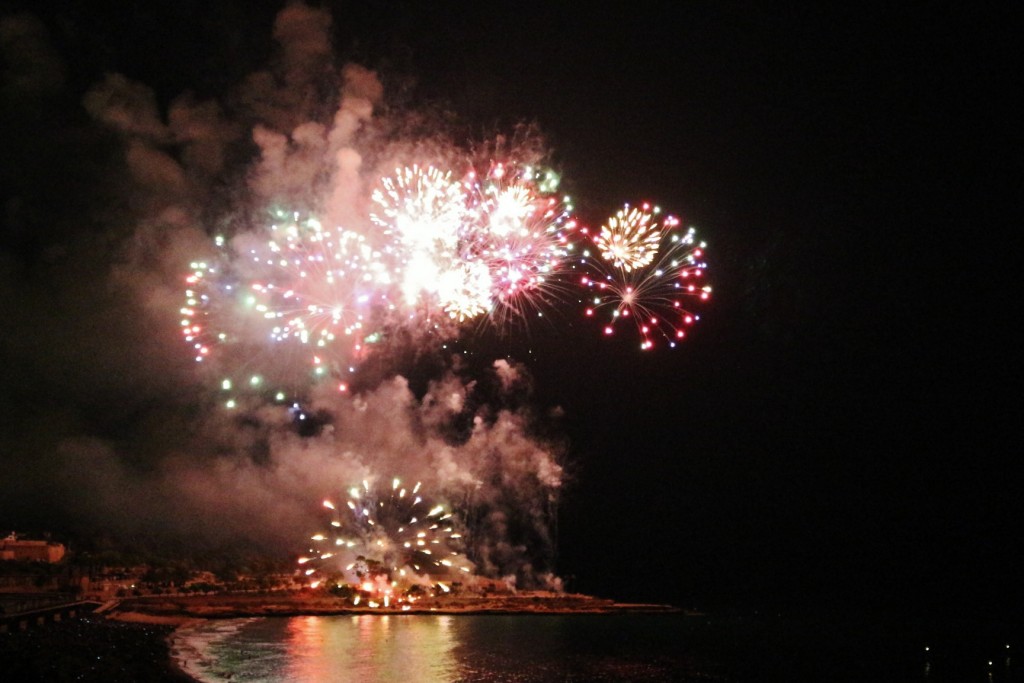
x: 838, y: 429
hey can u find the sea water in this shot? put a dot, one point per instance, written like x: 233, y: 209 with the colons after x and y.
x: 526, y: 648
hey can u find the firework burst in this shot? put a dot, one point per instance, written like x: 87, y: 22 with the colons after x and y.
x: 291, y: 303
x: 317, y: 288
x: 629, y: 240
x: 656, y: 297
x: 385, y: 540
x: 294, y: 301
x: 424, y: 212
x: 524, y: 236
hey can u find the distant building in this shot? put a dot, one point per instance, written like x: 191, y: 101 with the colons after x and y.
x: 14, y: 548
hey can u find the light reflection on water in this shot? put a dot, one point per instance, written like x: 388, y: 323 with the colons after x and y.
x: 364, y: 647
x: 374, y: 648
x: 379, y: 648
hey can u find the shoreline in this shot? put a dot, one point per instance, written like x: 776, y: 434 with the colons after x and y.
x: 178, y: 610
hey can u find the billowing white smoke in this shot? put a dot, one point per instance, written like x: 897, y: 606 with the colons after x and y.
x: 257, y: 479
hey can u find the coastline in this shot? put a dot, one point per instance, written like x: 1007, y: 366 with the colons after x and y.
x: 178, y: 610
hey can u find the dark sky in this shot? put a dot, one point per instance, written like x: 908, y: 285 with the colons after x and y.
x: 838, y: 429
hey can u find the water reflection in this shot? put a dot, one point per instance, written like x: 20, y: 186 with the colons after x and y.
x: 371, y: 648
x: 617, y: 648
